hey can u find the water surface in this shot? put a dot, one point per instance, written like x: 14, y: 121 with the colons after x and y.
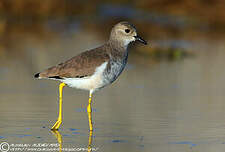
x: 154, y: 105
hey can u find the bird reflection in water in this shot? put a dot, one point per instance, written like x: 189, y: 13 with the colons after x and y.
x: 90, y: 141
x: 58, y: 136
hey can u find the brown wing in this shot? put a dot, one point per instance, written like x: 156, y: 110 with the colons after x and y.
x: 79, y: 66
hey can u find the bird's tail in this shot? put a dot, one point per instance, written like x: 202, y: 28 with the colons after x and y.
x: 37, y: 75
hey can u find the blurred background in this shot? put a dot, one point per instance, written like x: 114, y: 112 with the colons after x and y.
x: 169, y: 98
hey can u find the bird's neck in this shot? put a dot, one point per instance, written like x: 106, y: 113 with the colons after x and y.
x: 117, y: 50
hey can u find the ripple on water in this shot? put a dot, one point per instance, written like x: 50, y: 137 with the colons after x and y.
x: 118, y: 141
x: 191, y: 144
x: 73, y: 129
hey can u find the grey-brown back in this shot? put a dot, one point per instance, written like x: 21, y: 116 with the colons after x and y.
x: 82, y: 65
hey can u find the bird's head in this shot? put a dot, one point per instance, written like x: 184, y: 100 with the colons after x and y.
x: 125, y: 33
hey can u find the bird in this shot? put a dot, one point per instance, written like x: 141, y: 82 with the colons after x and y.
x: 94, y: 69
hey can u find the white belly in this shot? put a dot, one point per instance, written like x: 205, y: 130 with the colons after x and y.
x: 88, y: 83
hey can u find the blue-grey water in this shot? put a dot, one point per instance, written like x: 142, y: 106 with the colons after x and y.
x: 159, y: 106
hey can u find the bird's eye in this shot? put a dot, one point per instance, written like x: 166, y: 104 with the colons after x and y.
x: 127, y: 30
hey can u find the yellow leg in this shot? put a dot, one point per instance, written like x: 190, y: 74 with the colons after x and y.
x: 59, y: 121
x: 89, y: 111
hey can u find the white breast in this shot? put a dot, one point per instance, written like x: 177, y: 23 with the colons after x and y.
x: 88, y: 83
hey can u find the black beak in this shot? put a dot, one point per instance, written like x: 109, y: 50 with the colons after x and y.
x: 137, y: 38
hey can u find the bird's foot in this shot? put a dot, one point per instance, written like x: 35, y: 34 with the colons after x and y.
x: 57, y: 124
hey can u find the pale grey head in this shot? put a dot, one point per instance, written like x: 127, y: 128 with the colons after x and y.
x: 125, y: 33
